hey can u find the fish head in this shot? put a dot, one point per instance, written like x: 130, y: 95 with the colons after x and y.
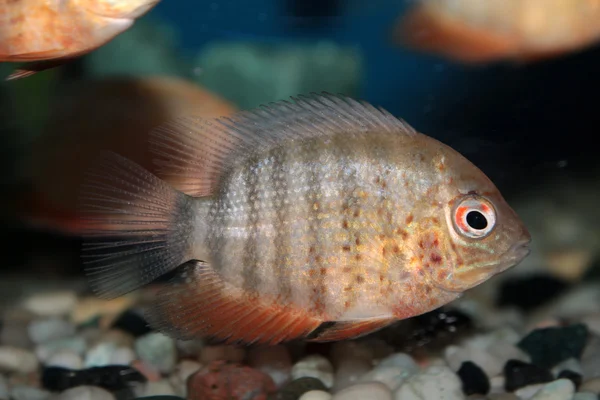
x: 470, y: 233
x: 121, y: 9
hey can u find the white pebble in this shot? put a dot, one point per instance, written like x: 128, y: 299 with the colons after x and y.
x: 527, y: 392
x: 75, y: 344
x: 162, y: 387
x: 65, y: 359
x: 51, y: 304
x: 362, y: 391
x: 274, y: 361
x: 14, y: 359
x: 392, y: 377
x: 180, y: 375
x: 86, y: 393
x: 562, y: 389
x: 157, y: 350
x: 122, y: 356
x: 456, y: 355
x: 29, y: 393
x: 433, y: 383
x: 47, y: 329
x: 100, y: 355
x: 314, y: 366
x: 585, y: 396
x: 571, y: 364
x: 349, y: 371
x: 315, y: 395
x: 401, y: 360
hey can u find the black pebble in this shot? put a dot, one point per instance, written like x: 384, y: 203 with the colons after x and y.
x: 573, y: 376
x: 518, y: 374
x: 474, y: 380
x: 530, y: 292
x: 132, y: 322
x: 112, y: 378
x: 296, y: 388
x: 550, y: 346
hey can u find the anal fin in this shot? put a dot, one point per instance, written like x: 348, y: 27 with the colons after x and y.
x: 341, y: 330
x: 29, y: 69
x: 198, y: 303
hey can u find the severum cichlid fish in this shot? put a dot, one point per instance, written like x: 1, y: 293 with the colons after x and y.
x: 47, y: 33
x: 476, y: 31
x: 321, y: 219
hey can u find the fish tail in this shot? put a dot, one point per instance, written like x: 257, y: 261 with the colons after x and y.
x: 137, y: 228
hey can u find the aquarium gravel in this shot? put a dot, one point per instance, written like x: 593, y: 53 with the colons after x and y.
x: 66, y: 344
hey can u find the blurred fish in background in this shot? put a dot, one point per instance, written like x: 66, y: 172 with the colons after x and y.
x: 479, y: 31
x: 90, y: 116
x: 46, y: 34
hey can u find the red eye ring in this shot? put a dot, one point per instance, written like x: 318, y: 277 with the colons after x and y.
x: 474, y: 217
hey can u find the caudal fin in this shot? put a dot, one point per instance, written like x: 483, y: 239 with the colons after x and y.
x: 137, y: 228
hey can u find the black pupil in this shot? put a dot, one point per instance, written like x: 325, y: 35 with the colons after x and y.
x: 476, y: 220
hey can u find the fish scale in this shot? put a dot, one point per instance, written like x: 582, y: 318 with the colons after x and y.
x: 328, y: 219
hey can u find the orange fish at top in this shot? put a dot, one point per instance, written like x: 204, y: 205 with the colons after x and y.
x: 46, y: 33
x: 479, y: 31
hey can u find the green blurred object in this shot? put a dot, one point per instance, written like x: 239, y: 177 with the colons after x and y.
x: 150, y: 47
x: 250, y: 74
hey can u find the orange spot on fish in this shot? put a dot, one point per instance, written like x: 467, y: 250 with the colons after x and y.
x: 346, y: 248
x: 435, y: 258
x: 409, y: 219
x: 359, y: 279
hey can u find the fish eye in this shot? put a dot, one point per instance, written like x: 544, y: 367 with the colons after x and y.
x: 474, y: 217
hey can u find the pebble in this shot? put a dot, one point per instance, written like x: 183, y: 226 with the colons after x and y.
x: 231, y: 353
x: 296, y: 388
x: 47, y: 329
x: 519, y: 374
x: 117, y: 337
x: 590, y: 360
x: 132, y: 322
x: 349, y: 371
x: 162, y: 387
x: 529, y: 391
x: 592, y: 385
x: 111, y: 378
x: 66, y: 359
x: 400, y: 360
x: 549, y: 346
x: 14, y: 359
x: 456, y: 356
x: 29, y: 393
x: 52, y: 304
x: 15, y: 335
x: 362, y: 391
x: 572, y: 376
x: 122, y: 356
x: 562, y: 389
x: 180, y: 375
x: 272, y: 360
x: 76, y: 344
x: 189, y: 348
x: 392, y: 377
x: 86, y: 393
x: 474, y: 380
x: 100, y: 355
x: 159, y: 397
x: 315, y: 395
x: 571, y: 364
x: 315, y: 366
x: 585, y: 396
x: 593, y: 323
x: 151, y: 373
x: 436, y: 382
x: 221, y: 379
x: 157, y: 350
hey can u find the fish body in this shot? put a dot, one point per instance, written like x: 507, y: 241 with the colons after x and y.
x: 476, y: 31
x: 323, y: 219
x: 51, y: 32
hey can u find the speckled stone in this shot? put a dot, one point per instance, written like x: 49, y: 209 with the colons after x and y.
x: 158, y: 350
x: 435, y: 382
x: 562, y: 389
x: 362, y: 391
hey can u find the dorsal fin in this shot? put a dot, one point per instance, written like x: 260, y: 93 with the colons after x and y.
x: 199, y: 152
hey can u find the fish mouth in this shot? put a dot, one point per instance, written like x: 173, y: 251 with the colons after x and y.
x: 476, y: 276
